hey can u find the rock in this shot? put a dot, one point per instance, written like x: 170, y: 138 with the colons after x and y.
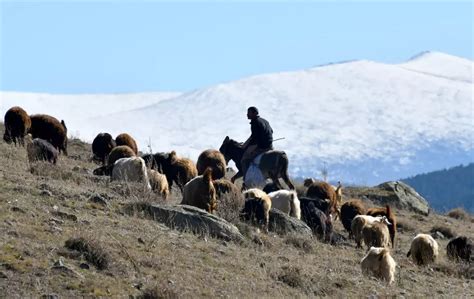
x: 281, y: 223
x: 46, y: 193
x: 64, y: 215
x: 49, y: 296
x: 98, y: 200
x: 188, y: 218
x: 402, y: 196
x: 438, y: 235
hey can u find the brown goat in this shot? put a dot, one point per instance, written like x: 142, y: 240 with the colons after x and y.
x: 17, y: 124
x: 376, y: 234
x: 257, y: 207
x: 126, y: 139
x: 50, y: 129
x: 349, y: 210
x: 200, y: 192
x: 323, y: 190
x: 228, y: 190
x: 214, y: 159
x: 387, y: 212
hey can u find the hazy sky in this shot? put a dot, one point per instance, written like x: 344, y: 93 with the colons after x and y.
x: 114, y: 47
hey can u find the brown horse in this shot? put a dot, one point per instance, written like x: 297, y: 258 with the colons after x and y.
x: 273, y: 164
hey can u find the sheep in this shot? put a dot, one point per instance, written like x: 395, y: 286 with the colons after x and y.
x: 158, y: 183
x: 257, y: 207
x: 287, y: 202
x: 200, y: 192
x: 387, y: 212
x: 349, y: 210
x: 50, y: 129
x: 118, y: 152
x: 225, y: 188
x: 176, y: 169
x: 126, y: 139
x: 131, y: 169
x: 360, y: 221
x: 379, y: 263
x: 376, y: 234
x: 17, y: 124
x: 319, y: 222
x: 423, y: 249
x: 323, y: 190
x: 460, y: 248
x: 102, y: 146
x: 214, y: 159
x: 40, y: 149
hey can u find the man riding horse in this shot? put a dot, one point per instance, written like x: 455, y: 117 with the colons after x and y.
x: 260, y: 140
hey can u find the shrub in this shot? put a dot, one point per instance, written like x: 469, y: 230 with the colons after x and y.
x: 446, y: 231
x: 92, y: 252
x: 458, y: 213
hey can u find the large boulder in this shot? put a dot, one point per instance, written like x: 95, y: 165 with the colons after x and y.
x: 188, y: 218
x: 281, y: 223
x: 401, y: 196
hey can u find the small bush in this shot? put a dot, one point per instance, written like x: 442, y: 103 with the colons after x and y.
x: 229, y: 206
x: 458, y: 213
x: 300, y: 243
x: 446, y: 231
x: 157, y: 293
x: 92, y: 252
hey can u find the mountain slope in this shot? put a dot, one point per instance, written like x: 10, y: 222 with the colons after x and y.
x: 366, y: 122
x: 447, y: 189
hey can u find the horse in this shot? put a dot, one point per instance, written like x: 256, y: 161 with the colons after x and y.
x: 273, y: 164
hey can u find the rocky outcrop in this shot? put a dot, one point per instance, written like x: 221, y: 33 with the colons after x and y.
x: 281, y: 223
x: 187, y: 218
x: 402, y: 196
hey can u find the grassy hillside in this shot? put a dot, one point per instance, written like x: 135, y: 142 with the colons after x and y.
x: 55, y: 239
x: 448, y: 188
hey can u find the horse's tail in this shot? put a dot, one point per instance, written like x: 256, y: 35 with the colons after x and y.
x: 284, y: 170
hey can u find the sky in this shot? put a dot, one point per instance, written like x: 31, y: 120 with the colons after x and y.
x: 123, y: 47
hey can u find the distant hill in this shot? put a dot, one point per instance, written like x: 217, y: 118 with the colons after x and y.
x: 447, y: 189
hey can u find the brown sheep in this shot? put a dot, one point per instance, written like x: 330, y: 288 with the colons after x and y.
x: 159, y: 183
x: 423, y: 249
x: 50, y: 129
x: 257, y: 207
x: 323, y: 190
x: 349, y: 210
x: 118, y: 152
x: 376, y: 234
x: 360, y: 221
x: 387, y: 212
x: 379, y: 263
x: 126, y: 139
x: 200, y: 192
x: 224, y: 187
x: 17, y: 124
x: 102, y: 146
x: 40, y: 150
x: 214, y: 159
x: 182, y: 170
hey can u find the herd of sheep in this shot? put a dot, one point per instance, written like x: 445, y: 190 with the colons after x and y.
x: 203, y: 185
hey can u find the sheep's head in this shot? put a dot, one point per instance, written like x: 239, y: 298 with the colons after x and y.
x: 308, y: 182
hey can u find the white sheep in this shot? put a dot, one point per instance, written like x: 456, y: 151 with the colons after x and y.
x: 379, y: 263
x: 132, y: 169
x: 423, y: 249
x: 287, y: 202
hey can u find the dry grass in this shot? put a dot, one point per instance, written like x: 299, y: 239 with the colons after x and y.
x: 43, y: 210
x: 459, y: 213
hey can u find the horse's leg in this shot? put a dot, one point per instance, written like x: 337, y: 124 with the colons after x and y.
x: 275, y: 180
x: 236, y: 176
x: 286, y: 178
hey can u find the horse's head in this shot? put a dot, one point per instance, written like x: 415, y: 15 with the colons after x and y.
x: 231, y: 149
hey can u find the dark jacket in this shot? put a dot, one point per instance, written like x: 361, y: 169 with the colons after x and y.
x: 262, y: 133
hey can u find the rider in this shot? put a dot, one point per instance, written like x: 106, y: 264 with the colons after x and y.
x: 259, y: 141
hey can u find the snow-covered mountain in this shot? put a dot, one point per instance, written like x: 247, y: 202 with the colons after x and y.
x: 366, y: 122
